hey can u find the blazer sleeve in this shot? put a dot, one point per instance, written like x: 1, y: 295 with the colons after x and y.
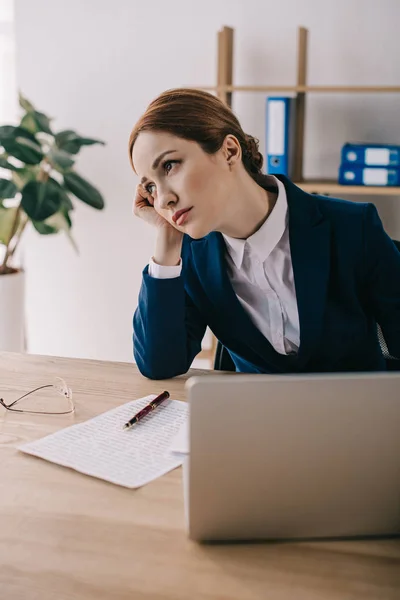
x: 383, y: 278
x: 167, y: 328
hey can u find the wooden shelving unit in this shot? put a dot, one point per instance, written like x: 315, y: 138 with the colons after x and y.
x: 365, y: 89
x: 224, y: 88
x: 332, y: 188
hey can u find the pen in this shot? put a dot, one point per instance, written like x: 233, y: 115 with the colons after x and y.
x: 146, y: 410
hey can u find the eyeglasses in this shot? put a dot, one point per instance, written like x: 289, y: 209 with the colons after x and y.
x: 61, y: 389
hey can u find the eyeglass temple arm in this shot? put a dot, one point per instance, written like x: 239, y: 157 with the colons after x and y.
x: 42, y: 387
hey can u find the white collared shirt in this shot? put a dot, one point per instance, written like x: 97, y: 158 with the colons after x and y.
x: 261, y: 273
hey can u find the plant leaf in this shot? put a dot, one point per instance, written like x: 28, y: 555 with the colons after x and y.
x: 83, y: 190
x: 90, y: 141
x: 29, y: 143
x: 40, y: 199
x: 43, y: 122
x: 7, y: 219
x: 8, y: 189
x: 28, y: 123
x: 25, y: 104
x: 29, y: 151
x: 66, y: 201
x: 35, y: 122
x: 67, y: 217
x: 72, y: 142
x: 43, y: 228
x: 60, y: 159
x: 23, y: 176
x: 4, y: 164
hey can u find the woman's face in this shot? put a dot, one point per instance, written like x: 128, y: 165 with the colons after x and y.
x: 190, y: 188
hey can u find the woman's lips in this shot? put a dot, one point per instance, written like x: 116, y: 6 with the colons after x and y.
x: 181, y: 215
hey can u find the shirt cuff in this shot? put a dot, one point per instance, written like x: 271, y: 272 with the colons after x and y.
x: 163, y: 272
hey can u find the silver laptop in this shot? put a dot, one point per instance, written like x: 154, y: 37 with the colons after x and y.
x: 289, y: 457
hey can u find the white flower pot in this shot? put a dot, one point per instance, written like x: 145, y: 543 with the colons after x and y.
x: 12, y: 312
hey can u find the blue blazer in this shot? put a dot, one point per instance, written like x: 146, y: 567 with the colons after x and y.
x: 347, y: 278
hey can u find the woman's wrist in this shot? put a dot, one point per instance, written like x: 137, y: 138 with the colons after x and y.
x: 168, y: 247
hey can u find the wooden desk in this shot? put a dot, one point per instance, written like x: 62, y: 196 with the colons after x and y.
x: 65, y: 536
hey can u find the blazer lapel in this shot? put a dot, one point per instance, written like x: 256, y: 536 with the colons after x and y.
x: 309, y: 235
x: 210, y: 265
x: 227, y: 318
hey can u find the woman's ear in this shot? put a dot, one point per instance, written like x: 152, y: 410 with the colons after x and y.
x: 232, y: 150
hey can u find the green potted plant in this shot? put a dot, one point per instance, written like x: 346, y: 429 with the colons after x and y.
x: 38, y: 184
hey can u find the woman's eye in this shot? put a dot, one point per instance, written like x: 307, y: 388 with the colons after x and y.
x: 168, y: 165
x: 151, y: 188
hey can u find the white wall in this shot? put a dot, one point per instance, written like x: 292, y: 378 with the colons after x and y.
x: 95, y: 65
x: 7, y: 62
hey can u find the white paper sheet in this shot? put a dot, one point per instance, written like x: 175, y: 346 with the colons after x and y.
x: 101, y: 448
x: 180, y: 443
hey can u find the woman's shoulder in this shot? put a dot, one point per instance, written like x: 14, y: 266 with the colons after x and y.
x: 334, y: 209
x: 339, y: 207
x: 347, y: 219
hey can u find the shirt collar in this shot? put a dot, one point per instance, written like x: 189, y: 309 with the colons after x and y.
x: 265, y: 239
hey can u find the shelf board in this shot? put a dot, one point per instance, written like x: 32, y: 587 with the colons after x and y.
x: 343, y: 89
x: 334, y: 188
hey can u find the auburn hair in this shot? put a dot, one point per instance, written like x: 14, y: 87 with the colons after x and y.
x: 200, y: 117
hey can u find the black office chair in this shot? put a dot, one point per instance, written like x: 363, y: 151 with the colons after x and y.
x: 224, y: 362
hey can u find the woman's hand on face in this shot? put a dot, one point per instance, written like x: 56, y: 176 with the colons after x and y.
x: 168, y: 239
x: 143, y: 207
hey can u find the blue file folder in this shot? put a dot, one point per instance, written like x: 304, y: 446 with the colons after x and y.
x: 362, y: 175
x: 280, y: 130
x: 371, y: 155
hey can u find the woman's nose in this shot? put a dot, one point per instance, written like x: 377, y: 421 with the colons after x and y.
x: 166, y: 199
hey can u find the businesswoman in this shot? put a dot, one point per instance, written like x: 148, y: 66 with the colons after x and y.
x: 288, y: 282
